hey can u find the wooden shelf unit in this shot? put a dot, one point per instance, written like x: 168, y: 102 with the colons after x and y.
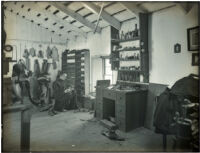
x: 143, y: 51
x: 125, y: 50
x: 77, y: 72
x: 125, y: 40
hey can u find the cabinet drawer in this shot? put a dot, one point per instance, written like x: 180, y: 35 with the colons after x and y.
x: 109, y: 94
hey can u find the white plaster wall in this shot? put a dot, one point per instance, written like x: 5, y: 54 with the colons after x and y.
x: 167, y: 28
x: 24, y: 34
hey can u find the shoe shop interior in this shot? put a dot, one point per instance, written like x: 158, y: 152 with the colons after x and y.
x: 100, y: 76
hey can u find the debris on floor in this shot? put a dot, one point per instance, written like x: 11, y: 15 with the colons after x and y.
x: 90, y: 120
x: 73, y: 145
x: 111, y: 134
x: 81, y: 110
x: 109, y: 125
x: 112, y: 119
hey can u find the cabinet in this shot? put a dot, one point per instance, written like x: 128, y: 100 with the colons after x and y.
x: 131, y: 61
x: 127, y: 107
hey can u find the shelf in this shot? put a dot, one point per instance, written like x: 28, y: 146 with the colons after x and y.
x: 139, y: 83
x: 127, y: 40
x: 124, y: 50
x: 71, y: 57
x: 130, y: 70
x: 126, y: 60
x: 9, y: 60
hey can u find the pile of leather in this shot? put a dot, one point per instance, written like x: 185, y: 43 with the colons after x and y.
x: 170, y: 102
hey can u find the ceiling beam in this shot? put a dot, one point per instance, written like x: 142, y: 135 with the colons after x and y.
x: 76, y: 16
x: 185, y: 7
x: 107, y: 17
x: 39, y: 8
x: 133, y: 8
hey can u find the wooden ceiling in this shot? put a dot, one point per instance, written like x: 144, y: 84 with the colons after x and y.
x: 69, y: 19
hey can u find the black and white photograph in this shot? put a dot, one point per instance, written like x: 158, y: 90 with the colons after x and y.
x: 193, y: 39
x: 195, y: 59
x: 100, y: 76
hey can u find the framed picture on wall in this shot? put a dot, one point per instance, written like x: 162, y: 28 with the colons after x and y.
x: 193, y: 38
x: 195, y: 59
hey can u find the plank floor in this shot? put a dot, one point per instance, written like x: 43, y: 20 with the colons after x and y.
x: 75, y: 131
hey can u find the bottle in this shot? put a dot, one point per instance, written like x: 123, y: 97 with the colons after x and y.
x: 136, y: 31
x: 122, y: 35
x: 138, y: 56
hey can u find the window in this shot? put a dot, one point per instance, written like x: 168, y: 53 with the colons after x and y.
x: 107, y: 71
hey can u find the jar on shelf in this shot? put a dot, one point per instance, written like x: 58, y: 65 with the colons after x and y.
x: 138, y: 57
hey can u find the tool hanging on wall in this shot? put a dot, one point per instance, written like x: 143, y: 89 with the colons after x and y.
x: 26, y: 56
x: 32, y: 52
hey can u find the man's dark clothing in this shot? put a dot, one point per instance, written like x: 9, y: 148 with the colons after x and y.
x: 60, y: 96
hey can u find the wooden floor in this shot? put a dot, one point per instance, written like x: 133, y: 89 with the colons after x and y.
x: 75, y: 131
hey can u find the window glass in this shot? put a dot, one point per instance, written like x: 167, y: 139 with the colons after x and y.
x: 107, y: 70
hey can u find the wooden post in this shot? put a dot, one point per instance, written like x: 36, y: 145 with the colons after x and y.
x: 25, y: 123
x: 25, y: 130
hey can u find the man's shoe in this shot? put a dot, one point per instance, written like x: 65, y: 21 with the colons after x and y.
x: 55, y: 112
x: 64, y: 110
x: 51, y: 113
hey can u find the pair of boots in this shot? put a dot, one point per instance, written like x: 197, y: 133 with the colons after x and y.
x: 52, y: 112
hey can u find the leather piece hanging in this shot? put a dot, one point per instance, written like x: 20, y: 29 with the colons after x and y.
x: 34, y: 87
x: 27, y: 63
x: 54, y: 64
x: 40, y: 54
x: 26, y: 53
x: 55, y: 54
x: 36, y: 68
x: 45, y: 67
x: 49, y: 52
x: 32, y: 52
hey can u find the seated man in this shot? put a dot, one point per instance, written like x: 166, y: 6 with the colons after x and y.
x: 61, y: 93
